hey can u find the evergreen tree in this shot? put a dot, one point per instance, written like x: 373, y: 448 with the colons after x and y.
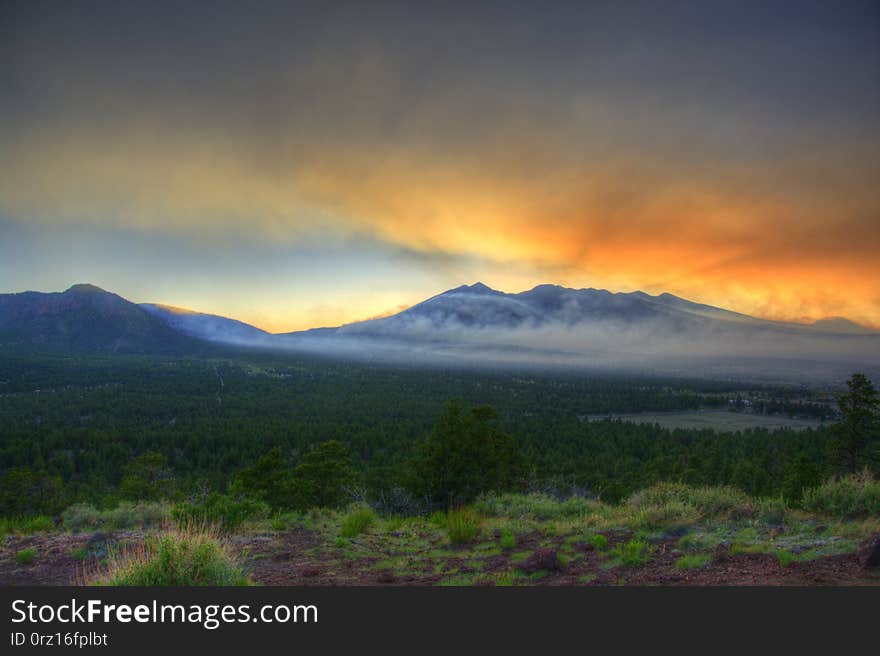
x: 466, y: 454
x: 147, y: 477
x: 271, y: 480
x: 326, y: 474
x: 857, y: 431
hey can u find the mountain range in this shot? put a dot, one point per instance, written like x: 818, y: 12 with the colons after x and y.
x: 472, y: 321
x: 87, y: 318
x: 479, y: 307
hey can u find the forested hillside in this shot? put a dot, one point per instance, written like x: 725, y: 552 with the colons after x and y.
x: 73, y: 425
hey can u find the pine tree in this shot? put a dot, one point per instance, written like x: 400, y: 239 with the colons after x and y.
x: 856, y: 433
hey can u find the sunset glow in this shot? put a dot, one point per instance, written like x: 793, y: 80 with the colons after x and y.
x: 730, y: 159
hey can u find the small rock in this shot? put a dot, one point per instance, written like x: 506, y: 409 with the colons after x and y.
x: 385, y: 577
x: 584, y: 546
x: 543, y: 559
x: 311, y: 572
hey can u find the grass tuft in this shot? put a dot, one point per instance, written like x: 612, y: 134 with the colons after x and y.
x: 189, y: 556
x: 358, y: 520
x: 599, y: 542
x: 26, y: 525
x: 630, y: 554
x: 463, y: 525
x: 25, y: 556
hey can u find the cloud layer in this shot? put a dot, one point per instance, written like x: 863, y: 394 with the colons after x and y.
x: 730, y: 156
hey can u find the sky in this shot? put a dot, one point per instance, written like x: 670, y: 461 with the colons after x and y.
x: 295, y: 165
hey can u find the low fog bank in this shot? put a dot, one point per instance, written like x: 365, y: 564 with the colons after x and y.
x: 726, y: 351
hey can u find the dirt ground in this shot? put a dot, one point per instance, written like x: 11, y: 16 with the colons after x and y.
x: 302, y: 557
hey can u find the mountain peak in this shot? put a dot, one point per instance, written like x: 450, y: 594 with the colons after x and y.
x: 840, y: 325
x: 476, y: 288
x: 84, y: 288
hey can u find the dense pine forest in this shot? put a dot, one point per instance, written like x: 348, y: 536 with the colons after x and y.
x: 100, y: 428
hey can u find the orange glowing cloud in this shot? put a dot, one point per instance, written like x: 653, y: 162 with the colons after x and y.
x: 793, y: 240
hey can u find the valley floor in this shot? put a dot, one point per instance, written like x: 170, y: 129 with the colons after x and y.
x: 722, y: 421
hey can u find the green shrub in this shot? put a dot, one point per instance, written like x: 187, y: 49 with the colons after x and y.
x: 225, y: 511
x: 182, y: 557
x: 541, y: 507
x: 283, y: 521
x: 25, y: 556
x: 357, y: 521
x: 126, y: 515
x: 80, y: 553
x: 437, y: 518
x: 856, y: 495
x: 670, y: 514
x: 463, y: 525
x: 710, y: 501
x: 785, y: 557
x: 693, y: 561
x: 631, y: 554
x: 697, y: 541
x: 508, y: 539
x: 393, y: 523
x: 599, y: 542
x: 506, y: 579
x: 771, y: 510
x: 82, y: 516
x: 26, y: 525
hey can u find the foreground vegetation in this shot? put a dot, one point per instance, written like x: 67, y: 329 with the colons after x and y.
x: 668, y: 533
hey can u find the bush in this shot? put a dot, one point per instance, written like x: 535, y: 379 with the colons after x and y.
x: 127, y: 515
x: 222, y: 510
x: 463, y: 525
x: 670, y: 514
x: 282, y: 521
x: 357, y: 521
x: 25, y: 556
x: 599, y: 542
x: 856, y: 495
x: 26, y: 525
x: 194, y: 556
x: 437, y: 518
x: 785, y: 557
x: 771, y: 510
x: 537, y: 506
x: 693, y: 561
x: 631, y: 554
x: 712, y: 501
x: 508, y: 539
